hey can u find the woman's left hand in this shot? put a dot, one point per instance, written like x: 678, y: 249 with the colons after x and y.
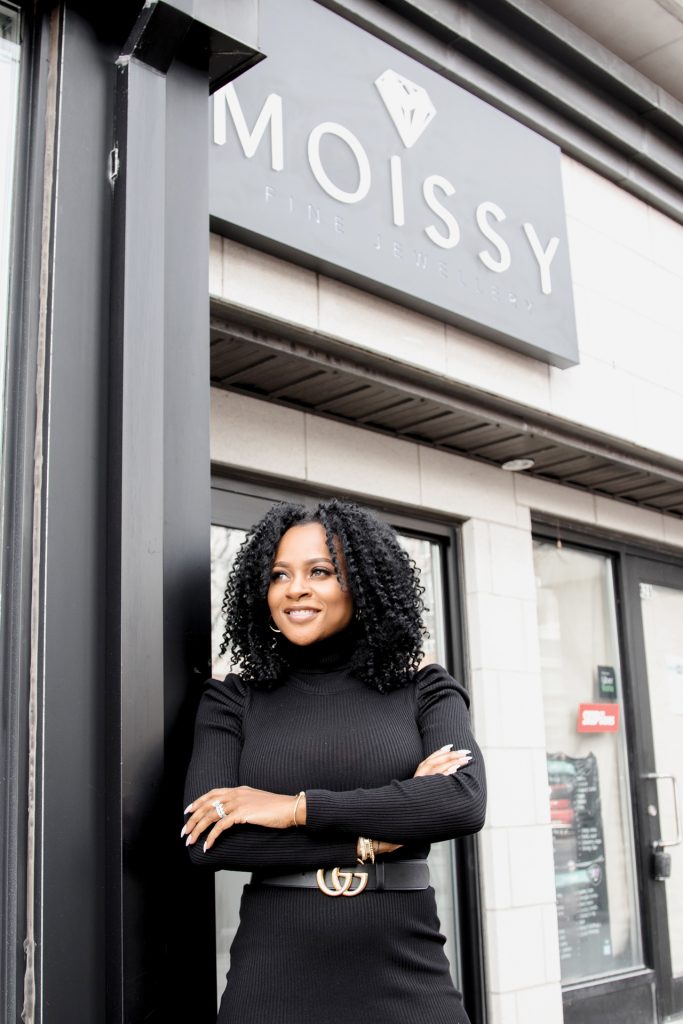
x: 242, y: 805
x: 444, y: 761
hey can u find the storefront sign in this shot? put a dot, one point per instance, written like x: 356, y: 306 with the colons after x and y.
x: 607, y: 682
x: 598, y: 718
x: 341, y: 153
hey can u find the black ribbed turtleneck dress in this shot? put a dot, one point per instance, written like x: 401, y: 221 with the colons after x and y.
x: 299, y: 956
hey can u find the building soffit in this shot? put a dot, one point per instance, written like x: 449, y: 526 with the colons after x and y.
x: 320, y: 375
x: 648, y: 34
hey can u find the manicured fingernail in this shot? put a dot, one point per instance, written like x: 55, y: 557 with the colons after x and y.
x: 188, y: 840
x: 449, y: 746
x: 187, y: 809
x: 205, y: 852
x: 182, y: 832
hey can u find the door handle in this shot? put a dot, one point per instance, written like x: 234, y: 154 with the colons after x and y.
x: 660, y: 844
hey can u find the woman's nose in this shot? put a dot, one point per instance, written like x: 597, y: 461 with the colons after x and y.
x: 298, y: 585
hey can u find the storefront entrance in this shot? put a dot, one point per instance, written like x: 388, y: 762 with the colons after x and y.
x: 655, y: 592
x: 611, y: 643
x: 235, y: 507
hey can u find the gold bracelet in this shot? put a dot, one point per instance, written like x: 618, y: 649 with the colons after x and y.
x: 295, y: 823
x: 366, y: 850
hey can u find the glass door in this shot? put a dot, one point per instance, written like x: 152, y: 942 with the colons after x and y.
x: 655, y: 597
x: 232, y: 515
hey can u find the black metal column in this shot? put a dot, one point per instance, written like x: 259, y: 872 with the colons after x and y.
x: 69, y: 867
x: 135, y: 670
x: 110, y: 467
x: 160, y: 942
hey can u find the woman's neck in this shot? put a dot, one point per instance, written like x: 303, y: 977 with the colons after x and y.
x: 326, y: 655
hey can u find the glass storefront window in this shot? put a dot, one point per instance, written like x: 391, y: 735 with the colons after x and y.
x: 588, y: 771
x: 9, y: 92
x: 662, y: 609
x: 428, y: 556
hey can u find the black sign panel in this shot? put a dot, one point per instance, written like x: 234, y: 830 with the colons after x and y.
x: 580, y: 873
x: 607, y: 683
x: 340, y: 152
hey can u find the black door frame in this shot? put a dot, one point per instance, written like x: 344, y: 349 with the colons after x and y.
x: 641, y: 994
x: 249, y: 495
x: 639, y: 570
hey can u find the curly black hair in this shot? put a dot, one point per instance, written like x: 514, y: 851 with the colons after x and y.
x: 384, y: 583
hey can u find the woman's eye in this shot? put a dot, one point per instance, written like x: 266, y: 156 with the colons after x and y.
x: 277, y: 575
x: 319, y: 571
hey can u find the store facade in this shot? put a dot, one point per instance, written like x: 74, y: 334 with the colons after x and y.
x: 436, y: 251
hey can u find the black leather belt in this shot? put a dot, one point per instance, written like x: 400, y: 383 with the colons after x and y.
x: 400, y: 874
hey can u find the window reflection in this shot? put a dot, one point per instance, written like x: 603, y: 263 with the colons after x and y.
x: 427, y: 556
x: 9, y: 92
x: 588, y: 774
x: 225, y: 544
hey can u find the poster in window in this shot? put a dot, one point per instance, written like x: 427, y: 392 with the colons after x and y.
x: 580, y: 876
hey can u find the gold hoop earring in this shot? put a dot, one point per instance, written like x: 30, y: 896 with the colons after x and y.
x: 272, y: 627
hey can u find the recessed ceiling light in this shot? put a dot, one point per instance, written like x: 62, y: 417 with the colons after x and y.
x: 517, y: 465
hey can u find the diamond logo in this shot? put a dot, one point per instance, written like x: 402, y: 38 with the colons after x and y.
x: 409, y: 105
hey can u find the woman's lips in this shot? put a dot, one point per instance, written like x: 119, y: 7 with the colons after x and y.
x: 301, y: 614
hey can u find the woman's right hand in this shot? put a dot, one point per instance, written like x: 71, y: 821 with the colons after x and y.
x: 443, y: 762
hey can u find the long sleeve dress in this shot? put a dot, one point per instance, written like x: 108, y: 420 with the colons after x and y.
x: 298, y: 955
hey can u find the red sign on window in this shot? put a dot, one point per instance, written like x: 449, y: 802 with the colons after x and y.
x: 598, y: 718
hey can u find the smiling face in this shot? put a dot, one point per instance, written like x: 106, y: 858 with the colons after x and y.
x: 304, y: 597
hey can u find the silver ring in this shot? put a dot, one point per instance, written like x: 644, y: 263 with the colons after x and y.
x: 220, y: 809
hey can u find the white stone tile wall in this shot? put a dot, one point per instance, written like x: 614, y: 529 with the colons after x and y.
x: 373, y: 324
x: 627, y: 271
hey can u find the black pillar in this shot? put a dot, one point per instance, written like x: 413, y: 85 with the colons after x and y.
x: 160, y: 941
x: 112, y: 482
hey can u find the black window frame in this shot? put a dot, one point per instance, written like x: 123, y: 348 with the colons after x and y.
x: 418, y: 523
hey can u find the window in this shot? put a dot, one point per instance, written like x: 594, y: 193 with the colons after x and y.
x: 430, y: 556
x: 9, y: 91
x: 588, y: 769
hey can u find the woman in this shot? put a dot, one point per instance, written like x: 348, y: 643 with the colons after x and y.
x: 329, y: 751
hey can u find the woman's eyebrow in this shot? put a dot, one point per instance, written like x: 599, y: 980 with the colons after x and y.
x: 308, y: 561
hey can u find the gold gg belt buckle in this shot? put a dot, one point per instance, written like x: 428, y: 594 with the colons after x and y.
x: 341, y: 882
